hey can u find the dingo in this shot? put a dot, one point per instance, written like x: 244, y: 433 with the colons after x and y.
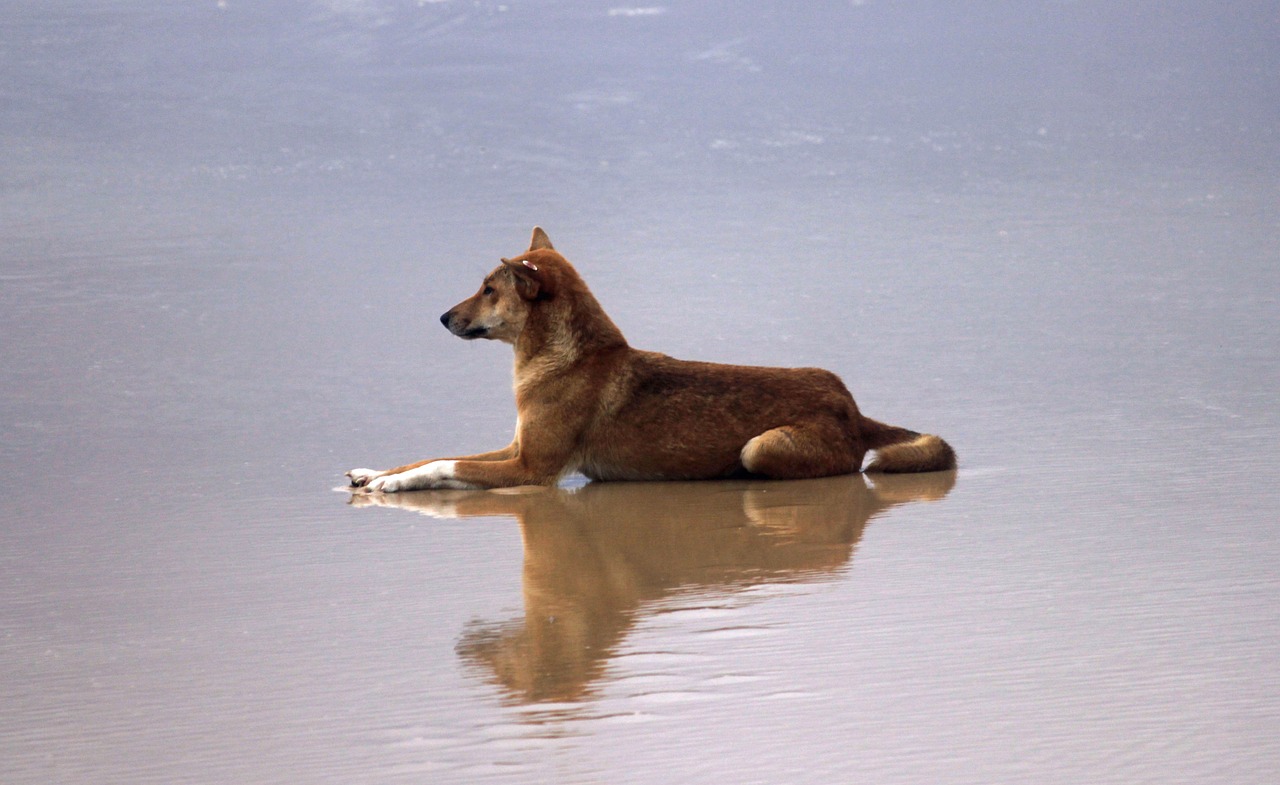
x: 588, y: 402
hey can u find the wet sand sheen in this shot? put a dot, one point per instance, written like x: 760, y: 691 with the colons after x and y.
x: 595, y: 557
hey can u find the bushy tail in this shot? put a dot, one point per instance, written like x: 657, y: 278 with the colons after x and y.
x: 899, y: 451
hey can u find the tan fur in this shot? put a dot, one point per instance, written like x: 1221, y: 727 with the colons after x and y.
x: 589, y: 402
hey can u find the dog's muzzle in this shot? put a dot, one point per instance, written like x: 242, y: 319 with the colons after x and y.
x: 461, y: 327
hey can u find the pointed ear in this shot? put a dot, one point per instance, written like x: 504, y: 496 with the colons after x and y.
x: 540, y: 240
x: 532, y: 280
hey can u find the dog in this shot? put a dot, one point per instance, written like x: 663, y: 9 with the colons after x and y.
x: 588, y: 402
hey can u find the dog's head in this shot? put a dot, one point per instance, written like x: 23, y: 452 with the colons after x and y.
x: 501, y: 307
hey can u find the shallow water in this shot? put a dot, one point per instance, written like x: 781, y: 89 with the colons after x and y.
x: 1049, y: 235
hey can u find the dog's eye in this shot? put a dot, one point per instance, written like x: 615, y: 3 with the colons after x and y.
x: 488, y: 290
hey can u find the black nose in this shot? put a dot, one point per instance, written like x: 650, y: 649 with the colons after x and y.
x: 445, y: 318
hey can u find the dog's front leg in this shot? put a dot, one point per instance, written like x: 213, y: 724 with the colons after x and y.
x: 433, y: 475
x: 362, y: 477
x: 462, y: 474
x: 537, y: 456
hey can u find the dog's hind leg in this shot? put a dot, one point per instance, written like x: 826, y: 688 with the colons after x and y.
x: 801, y: 451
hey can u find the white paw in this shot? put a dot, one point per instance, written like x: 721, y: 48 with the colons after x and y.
x: 387, y: 483
x: 437, y: 474
x: 361, y: 477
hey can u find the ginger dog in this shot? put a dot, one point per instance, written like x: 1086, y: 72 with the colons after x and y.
x: 586, y: 401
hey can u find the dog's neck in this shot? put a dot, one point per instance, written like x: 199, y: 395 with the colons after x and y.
x: 560, y: 332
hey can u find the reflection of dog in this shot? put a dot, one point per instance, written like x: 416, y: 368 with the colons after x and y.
x: 587, y: 401
x: 597, y: 557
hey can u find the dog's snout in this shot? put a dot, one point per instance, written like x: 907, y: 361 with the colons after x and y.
x: 461, y: 326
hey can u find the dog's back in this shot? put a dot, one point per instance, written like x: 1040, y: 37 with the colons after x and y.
x: 663, y: 418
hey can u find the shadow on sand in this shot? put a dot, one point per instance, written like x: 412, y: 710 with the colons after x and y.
x: 596, y: 556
